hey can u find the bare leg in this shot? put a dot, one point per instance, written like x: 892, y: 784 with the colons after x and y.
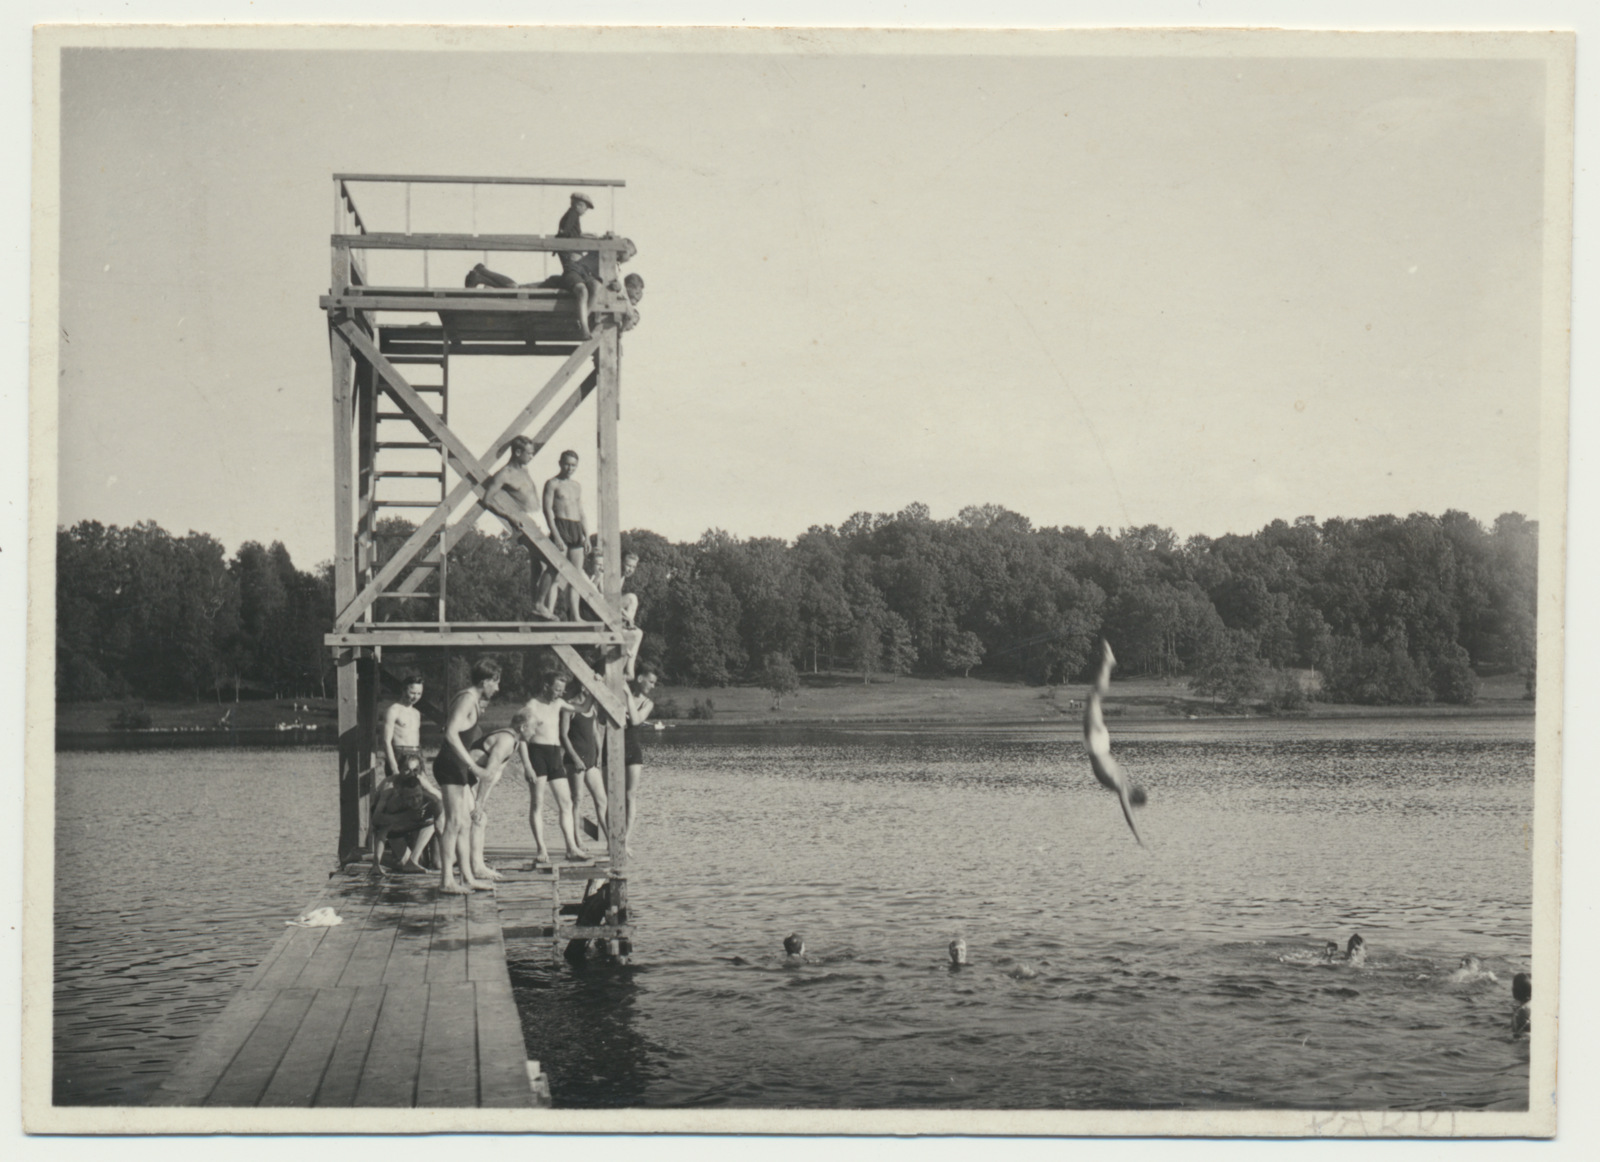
x: 536, y: 821
x: 564, y: 804
x: 575, y: 555
x: 545, y: 594
x: 457, y: 814
x: 595, y: 781
x: 380, y: 836
x: 413, y: 858
x: 581, y: 294
x: 480, y: 826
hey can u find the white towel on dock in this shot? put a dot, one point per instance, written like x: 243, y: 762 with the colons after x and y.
x: 316, y: 918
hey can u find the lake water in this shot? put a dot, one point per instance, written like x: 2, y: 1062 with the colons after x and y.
x: 1177, y: 975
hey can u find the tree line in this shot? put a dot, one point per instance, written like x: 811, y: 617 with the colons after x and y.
x: 1385, y: 609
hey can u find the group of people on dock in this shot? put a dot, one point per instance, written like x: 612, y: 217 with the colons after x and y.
x: 554, y: 738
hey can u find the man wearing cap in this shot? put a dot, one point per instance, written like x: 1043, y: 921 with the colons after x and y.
x: 578, y: 267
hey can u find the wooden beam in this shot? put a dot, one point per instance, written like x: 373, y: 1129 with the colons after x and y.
x: 522, y: 242
x: 606, y: 411
x: 469, y: 467
x: 604, y: 695
x: 541, y: 440
x: 352, y: 803
x: 420, y: 300
x: 350, y: 611
x: 454, y: 180
x: 494, y: 638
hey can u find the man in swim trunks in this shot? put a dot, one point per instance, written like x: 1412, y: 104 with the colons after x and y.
x: 457, y: 772
x: 546, y: 750
x: 563, y: 513
x: 407, y: 799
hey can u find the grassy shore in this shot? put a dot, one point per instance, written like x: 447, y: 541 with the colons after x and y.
x: 837, y: 698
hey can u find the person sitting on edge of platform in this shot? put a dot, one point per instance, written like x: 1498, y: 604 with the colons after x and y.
x: 513, y: 494
x: 639, y: 708
x: 585, y: 275
x: 583, y: 761
x: 569, y: 528
x: 407, y: 800
x: 544, y: 753
x: 493, y: 751
x: 457, y: 773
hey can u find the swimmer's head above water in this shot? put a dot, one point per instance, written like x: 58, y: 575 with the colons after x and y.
x: 1470, y: 963
x: 1356, y: 951
x: 1522, y: 988
x: 958, y: 951
x: 794, y: 944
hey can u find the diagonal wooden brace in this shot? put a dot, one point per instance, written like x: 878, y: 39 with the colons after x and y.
x: 424, y: 568
x: 604, y: 696
x: 475, y: 477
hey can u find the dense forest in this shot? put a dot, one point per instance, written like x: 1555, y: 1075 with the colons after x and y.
x: 1384, y: 609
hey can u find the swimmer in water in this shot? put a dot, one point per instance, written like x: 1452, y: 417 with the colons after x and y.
x: 1469, y: 969
x: 1522, y: 993
x: 1355, y: 953
x: 1097, y: 741
x: 794, y: 947
x: 958, y: 952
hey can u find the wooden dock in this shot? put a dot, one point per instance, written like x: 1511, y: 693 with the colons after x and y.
x: 406, y: 1003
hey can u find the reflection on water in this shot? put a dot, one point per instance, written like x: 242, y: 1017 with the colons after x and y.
x: 1183, y: 974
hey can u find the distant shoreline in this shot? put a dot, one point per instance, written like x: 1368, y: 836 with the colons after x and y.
x: 826, y: 701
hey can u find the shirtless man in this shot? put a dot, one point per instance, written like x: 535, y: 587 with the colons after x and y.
x: 1097, y: 741
x: 563, y: 513
x: 408, y: 794
x: 511, y: 495
x: 546, y: 752
x: 457, y: 772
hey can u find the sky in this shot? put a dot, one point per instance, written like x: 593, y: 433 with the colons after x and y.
x: 1201, y: 292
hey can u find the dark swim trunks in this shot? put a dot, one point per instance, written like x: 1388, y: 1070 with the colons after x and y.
x: 546, y: 761
x: 448, y: 771
x: 571, y: 533
x: 632, y: 751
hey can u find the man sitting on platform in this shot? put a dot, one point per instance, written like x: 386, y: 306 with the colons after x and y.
x: 512, y: 495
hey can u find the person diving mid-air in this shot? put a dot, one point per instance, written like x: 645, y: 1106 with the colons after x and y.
x: 1097, y: 741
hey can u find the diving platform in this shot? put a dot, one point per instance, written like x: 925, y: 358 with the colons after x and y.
x: 405, y: 1003
x: 403, y: 472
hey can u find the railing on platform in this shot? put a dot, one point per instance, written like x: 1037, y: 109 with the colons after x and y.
x: 349, y: 224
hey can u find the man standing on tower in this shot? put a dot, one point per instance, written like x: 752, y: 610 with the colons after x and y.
x: 563, y: 512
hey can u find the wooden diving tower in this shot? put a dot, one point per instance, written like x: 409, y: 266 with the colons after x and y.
x: 389, y: 428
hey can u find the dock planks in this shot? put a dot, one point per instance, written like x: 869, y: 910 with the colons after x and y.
x: 406, y: 1003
